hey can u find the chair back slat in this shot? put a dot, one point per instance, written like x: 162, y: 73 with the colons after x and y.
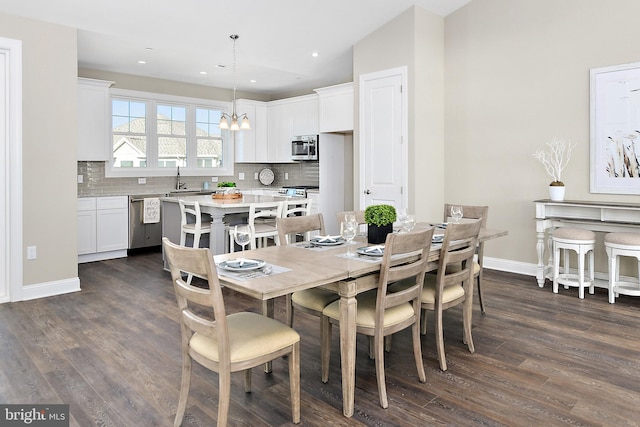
x: 190, y: 213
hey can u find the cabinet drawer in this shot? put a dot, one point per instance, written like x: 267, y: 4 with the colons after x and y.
x: 116, y: 202
x: 87, y: 204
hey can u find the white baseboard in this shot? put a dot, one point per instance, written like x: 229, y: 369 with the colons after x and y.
x: 49, y: 289
x: 101, y: 256
x: 518, y: 267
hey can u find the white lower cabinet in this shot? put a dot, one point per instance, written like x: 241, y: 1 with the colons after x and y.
x: 103, y: 228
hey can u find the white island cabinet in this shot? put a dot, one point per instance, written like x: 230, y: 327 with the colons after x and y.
x: 103, y: 228
x: 94, y: 119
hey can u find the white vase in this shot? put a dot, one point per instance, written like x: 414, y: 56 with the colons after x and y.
x: 556, y: 193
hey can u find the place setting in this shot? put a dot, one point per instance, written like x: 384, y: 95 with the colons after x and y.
x: 320, y: 243
x: 246, y: 268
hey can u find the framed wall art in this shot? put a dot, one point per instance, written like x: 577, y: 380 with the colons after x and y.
x: 615, y: 129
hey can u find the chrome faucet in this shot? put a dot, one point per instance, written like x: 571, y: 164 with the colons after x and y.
x: 179, y: 185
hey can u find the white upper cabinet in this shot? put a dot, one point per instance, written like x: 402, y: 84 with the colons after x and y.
x: 335, y: 107
x: 251, y: 145
x: 288, y: 118
x: 94, y: 119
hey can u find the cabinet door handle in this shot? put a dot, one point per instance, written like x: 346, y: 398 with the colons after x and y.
x: 367, y: 192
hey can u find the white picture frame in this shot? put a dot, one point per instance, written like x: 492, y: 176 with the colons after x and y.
x: 615, y: 129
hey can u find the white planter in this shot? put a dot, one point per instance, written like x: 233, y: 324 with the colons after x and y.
x: 556, y: 193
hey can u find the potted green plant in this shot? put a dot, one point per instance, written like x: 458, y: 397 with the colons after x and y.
x: 379, y: 219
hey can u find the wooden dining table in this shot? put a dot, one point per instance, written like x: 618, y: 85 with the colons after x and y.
x: 299, y: 266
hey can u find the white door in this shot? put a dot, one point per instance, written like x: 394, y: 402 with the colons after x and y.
x: 383, y: 126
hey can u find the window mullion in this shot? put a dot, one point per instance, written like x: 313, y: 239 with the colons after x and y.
x: 152, y: 134
x: 192, y: 146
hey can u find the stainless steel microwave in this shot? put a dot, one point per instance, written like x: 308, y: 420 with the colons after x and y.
x: 304, y: 147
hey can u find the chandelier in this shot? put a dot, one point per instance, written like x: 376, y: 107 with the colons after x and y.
x: 224, y: 120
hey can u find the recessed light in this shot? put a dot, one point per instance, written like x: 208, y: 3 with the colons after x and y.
x: 142, y: 62
x: 314, y: 54
x: 148, y: 48
x: 203, y: 72
x: 252, y: 81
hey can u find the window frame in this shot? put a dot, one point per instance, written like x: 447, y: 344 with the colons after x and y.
x: 152, y: 100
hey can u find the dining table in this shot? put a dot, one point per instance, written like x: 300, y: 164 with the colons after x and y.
x: 301, y: 265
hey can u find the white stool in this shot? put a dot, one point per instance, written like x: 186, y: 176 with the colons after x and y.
x: 582, y: 242
x: 616, y: 245
x: 190, y: 211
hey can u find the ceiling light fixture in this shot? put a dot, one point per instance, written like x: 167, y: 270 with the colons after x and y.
x: 224, y: 120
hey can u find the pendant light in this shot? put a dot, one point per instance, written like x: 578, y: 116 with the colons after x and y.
x: 224, y: 120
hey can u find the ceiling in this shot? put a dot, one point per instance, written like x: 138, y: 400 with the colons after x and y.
x: 180, y: 39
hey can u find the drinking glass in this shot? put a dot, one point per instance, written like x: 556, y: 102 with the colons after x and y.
x: 402, y: 217
x: 242, y: 236
x: 408, y: 223
x: 456, y: 213
x: 348, y: 231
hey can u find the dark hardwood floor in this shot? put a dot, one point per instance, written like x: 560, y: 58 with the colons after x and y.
x: 112, y: 352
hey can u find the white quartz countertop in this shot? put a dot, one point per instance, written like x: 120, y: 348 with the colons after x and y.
x: 244, y: 201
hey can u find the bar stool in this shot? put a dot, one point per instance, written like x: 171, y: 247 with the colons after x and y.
x: 617, y: 245
x: 582, y: 242
x: 190, y: 225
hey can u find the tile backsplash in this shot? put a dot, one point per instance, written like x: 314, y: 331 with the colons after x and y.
x: 96, y: 184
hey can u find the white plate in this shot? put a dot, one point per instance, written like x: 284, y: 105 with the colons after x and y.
x: 437, y: 238
x: 266, y: 176
x: 333, y: 241
x: 247, y: 264
x: 371, y: 250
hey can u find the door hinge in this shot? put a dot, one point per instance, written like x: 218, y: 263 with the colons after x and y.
x: 401, y: 89
x: 401, y: 190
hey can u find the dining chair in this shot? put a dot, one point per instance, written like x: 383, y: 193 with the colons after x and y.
x: 450, y: 286
x: 358, y: 214
x: 224, y: 343
x: 381, y: 313
x: 313, y: 300
x: 295, y: 225
x: 481, y: 213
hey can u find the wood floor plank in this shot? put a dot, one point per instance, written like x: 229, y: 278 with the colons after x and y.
x: 112, y: 351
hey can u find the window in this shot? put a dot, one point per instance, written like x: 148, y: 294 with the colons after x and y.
x: 153, y: 134
x: 208, y: 140
x: 129, y: 134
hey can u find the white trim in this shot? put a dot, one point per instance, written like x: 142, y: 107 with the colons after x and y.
x: 49, y: 289
x: 13, y: 167
x: 510, y: 266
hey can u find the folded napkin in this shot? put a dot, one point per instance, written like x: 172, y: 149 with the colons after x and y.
x: 327, y: 239
x: 241, y: 262
x: 378, y: 249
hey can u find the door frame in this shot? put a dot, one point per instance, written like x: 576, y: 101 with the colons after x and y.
x: 402, y: 72
x: 11, y: 143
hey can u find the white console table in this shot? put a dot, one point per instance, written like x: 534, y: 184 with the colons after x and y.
x: 596, y: 216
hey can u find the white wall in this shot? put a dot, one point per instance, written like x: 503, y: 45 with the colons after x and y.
x: 517, y: 75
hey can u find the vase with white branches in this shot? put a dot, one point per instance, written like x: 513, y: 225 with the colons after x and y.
x: 554, y: 161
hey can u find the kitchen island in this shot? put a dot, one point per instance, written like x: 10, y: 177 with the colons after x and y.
x: 217, y: 208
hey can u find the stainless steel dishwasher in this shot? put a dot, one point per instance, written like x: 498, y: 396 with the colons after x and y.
x: 142, y: 235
